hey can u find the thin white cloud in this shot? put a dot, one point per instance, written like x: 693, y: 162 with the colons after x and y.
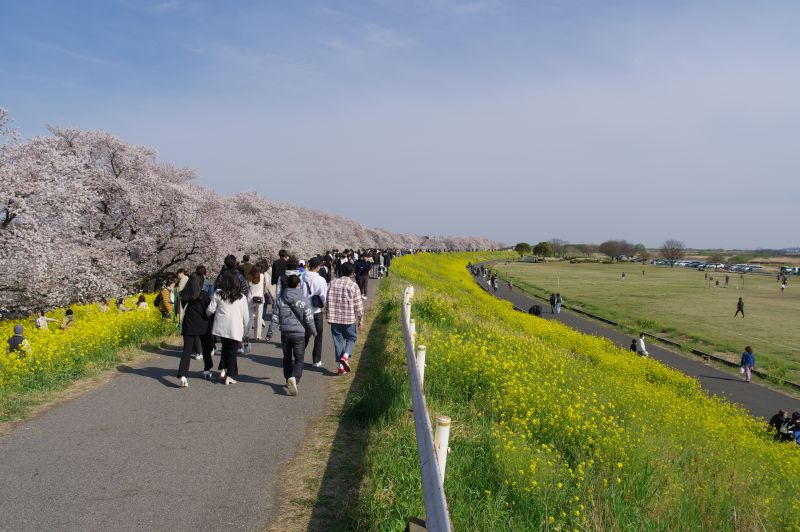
x: 470, y: 7
x: 386, y: 38
x: 80, y: 56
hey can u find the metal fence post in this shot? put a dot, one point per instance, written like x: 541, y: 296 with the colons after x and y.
x: 421, y: 364
x: 441, y: 439
x: 412, y: 328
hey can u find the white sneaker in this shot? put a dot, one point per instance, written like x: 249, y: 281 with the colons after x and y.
x: 222, y: 374
x: 240, y: 351
x: 184, y: 382
x: 213, y: 351
x: 317, y: 364
x: 292, y: 384
x: 197, y: 356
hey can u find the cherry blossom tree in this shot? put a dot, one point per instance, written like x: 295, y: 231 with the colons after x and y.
x: 85, y: 215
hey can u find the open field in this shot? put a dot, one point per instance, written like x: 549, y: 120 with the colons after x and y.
x: 679, y: 303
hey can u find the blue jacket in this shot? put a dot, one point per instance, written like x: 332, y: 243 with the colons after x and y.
x: 748, y: 359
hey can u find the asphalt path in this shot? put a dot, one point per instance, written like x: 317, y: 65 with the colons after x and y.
x: 140, y: 453
x: 758, y: 400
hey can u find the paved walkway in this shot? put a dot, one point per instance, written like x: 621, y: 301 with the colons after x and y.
x: 139, y: 453
x: 759, y: 400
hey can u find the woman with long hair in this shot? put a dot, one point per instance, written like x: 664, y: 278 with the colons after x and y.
x: 255, y: 278
x: 195, y: 325
x: 231, y: 315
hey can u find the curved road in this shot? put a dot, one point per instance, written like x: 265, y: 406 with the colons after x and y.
x: 757, y: 399
x: 139, y: 453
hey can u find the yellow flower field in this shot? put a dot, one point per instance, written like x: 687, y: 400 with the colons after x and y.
x: 585, y: 435
x: 61, y: 355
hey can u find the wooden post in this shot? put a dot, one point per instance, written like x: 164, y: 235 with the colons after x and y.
x: 412, y: 329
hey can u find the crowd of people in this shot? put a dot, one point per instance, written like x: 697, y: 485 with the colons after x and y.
x: 232, y: 309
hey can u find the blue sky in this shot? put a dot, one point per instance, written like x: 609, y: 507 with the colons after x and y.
x: 514, y: 120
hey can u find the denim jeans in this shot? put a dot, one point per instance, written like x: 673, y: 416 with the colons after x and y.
x: 344, y: 338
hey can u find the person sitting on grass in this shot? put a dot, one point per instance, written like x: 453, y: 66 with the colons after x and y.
x: 141, y: 304
x: 121, y: 308
x: 18, y: 343
x: 42, y: 320
x: 781, y: 422
x: 68, y: 321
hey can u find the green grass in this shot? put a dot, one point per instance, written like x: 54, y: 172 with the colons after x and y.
x: 391, y: 492
x: 678, y: 303
x: 685, y: 472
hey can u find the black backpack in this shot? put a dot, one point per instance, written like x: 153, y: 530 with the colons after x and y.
x: 158, y: 300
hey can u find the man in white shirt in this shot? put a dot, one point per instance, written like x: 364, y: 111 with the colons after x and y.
x: 315, y: 289
x: 640, y: 347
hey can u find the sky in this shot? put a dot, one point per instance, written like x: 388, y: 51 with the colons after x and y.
x: 519, y: 121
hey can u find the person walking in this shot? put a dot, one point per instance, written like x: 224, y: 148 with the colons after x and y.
x: 559, y: 302
x: 291, y: 267
x: 182, y: 280
x: 246, y: 265
x: 316, y: 290
x: 229, y: 306
x: 552, y: 303
x: 194, y: 327
x: 739, y: 308
x: 362, y: 275
x: 278, y: 269
x: 292, y: 314
x: 641, y: 349
x: 229, y: 266
x: 345, y: 312
x: 747, y: 363
x: 255, y: 304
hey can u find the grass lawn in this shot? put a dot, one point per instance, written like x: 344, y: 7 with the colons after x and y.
x: 681, y: 304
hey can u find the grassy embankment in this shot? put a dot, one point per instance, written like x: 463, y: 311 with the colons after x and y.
x: 58, y: 358
x: 552, y: 429
x: 681, y: 304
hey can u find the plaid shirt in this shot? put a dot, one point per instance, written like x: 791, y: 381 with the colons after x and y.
x: 343, y: 303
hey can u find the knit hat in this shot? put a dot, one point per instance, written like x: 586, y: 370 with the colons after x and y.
x: 18, y: 329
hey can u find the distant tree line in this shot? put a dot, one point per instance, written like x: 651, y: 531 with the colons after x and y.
x: 672, y: 250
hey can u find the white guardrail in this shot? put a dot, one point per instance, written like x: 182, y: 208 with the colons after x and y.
x: 432, y: 447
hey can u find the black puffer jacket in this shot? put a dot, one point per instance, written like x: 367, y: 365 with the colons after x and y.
x: 195, y: 321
